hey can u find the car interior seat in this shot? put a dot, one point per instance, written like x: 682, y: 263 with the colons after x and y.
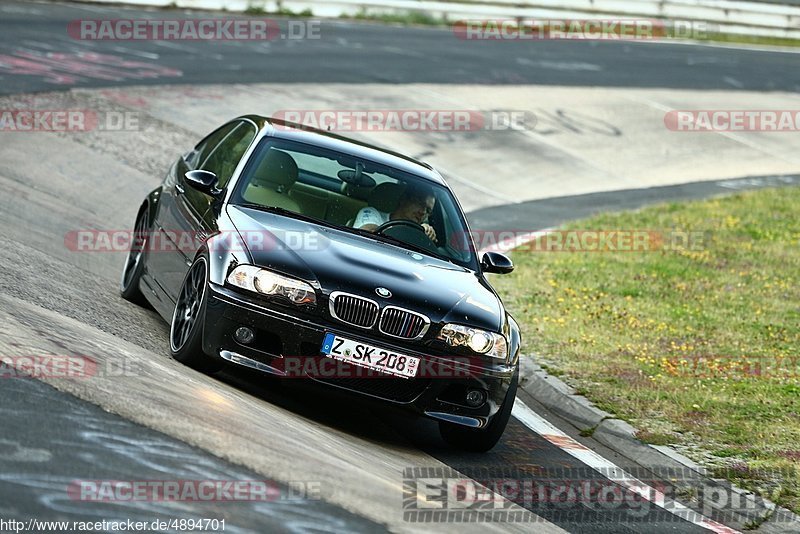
x: 272, y: 181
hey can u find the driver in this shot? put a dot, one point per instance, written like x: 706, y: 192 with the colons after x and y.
x: 414, y: 205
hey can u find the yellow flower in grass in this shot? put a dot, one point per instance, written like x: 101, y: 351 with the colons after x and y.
x: 731, y: 222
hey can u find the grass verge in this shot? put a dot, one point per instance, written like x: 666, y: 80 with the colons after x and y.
x: 255, y: 9
x: 696, y: 346
x: 416, y: 18
x: 758, y: 40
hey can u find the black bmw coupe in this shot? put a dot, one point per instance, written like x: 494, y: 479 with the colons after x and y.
x: 298, y: 252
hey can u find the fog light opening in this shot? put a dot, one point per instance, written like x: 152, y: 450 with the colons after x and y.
x: 475, y: 398
x: 244, y: 335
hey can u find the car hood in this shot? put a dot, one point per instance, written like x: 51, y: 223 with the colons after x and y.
x: 341, y: 261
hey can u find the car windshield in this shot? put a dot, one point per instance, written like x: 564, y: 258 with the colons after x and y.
x: 357, y: 195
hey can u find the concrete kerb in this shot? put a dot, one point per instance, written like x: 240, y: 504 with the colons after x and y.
x: 558, y: 397
x: 562, y: 400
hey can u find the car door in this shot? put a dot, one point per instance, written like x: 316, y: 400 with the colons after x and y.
x: 183, y: 221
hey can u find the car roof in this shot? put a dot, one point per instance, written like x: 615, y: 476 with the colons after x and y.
x: 305, y: 134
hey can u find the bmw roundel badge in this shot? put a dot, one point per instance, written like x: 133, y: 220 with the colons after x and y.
x: 383, y: 292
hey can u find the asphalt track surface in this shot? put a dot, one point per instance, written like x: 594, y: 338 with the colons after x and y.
x: 51, y: 437
x: 375, y: 53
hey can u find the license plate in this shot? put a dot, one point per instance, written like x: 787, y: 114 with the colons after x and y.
x: 369, y: 356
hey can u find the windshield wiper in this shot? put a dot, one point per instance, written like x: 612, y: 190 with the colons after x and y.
x: 410, y: 246
x: 378, y: 237
x: 397, y: 242
x: 287, y: 213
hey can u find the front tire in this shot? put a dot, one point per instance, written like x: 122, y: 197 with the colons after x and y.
x: 481, y: 439
x: 186, y: 329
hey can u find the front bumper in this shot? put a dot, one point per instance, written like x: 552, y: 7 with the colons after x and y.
x: 281, y: 336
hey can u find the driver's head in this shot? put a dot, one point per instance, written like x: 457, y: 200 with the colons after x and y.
x: 415, y: 205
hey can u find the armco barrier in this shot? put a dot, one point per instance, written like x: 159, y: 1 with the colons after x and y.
x: 761, y: 18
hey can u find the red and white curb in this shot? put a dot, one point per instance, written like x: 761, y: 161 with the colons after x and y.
x: 610, y: 470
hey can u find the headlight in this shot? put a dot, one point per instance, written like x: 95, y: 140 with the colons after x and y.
x: 480, y: 341
x: 259, y: 280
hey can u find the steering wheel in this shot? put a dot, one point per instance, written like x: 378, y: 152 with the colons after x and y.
x: 400, y: 222
x: 416, y: 237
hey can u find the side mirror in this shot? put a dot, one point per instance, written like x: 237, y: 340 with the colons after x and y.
x: 203, y: 181
x: 494, y: 262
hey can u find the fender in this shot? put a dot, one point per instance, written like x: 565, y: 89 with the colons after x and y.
x: 514, y: 339
x: 151, y: 204
x: 226, y: 249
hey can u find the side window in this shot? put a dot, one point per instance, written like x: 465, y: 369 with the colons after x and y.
x: 204, y: 147
x: 223, y: 160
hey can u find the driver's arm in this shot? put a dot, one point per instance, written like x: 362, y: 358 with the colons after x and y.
x: 429, y: 231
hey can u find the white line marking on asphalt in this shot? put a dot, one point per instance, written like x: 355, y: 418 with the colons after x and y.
x: 504, y: 245
x: 262, y: 49
x: 733, y: 81
x: 176, y: 46
x: 538, y: 138
x: 559, y: 65
x: 609, y: 469
x: 93, y: 9
x: 576, y: 155
x: 37, y: 44
x: 727, y: 46
x: 762, y: 181
x: 452, y: 177
x: 730, y: 135
x: 702, y: 60
x: 402, y: 51
x: 134, y: 52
